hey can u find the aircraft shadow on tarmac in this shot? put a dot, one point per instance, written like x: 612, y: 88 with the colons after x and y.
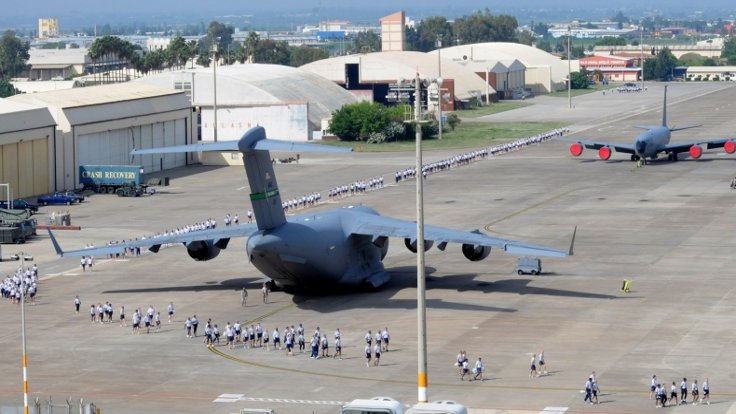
x: 405, y: 277
x: 230, y: 284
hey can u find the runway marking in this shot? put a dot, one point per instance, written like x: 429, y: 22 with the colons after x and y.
x: 553, y: 410
x: 527, y: 209
x: 231, y: 398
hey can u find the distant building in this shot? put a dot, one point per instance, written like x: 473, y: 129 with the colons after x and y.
x: 393, y: 36
x: 54, y: 64
x: 614, y: 68
x: 48, y: 28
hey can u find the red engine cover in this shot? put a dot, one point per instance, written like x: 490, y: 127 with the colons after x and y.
x: 576, y: 149
x: 604, y: 153
x: 729, y: 147
x: 695, y: 151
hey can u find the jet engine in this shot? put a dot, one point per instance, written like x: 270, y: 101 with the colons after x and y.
x: 382, y: 243
x: 695, y: 151
x: 576, y: 149
x: 475, y: 253
x: 202, y: 250
x: 412, y: 245
x: 729, y: 147
x: 604, y: 153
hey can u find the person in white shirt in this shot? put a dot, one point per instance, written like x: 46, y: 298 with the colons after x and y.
x: 683, y: 391
x: 478, y: 370
x: 171, y: 311
x: 706, y: 392
x: 533, y: 366
x: 377, y: 353
x: 386, y: 337
x: 694, y: 391
x: 652, y: 387
x: 464, y: 370
x: 368, y: 355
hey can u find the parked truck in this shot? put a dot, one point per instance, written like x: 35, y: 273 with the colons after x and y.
x: 16, y: 226
x: 108, y: 178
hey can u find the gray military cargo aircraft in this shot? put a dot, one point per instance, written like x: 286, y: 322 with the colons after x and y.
x: 339, y: 247
x: 653, y: 141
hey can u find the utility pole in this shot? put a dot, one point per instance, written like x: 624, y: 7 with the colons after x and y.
x: 421, y: 287
x: 23, y: 289
x: 569, y: 68
x: 641, y: 58
x: 439, y: 84
x: 214, y: 85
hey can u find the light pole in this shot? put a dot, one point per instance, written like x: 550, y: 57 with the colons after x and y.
x: 569, y: 68
x: 421, y: 287
x: 641, y: 58
x: 23, y: 290
x: 439, y: 84
x: 214, y: 83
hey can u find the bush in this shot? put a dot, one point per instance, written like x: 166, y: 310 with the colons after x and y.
x: 453, y: 120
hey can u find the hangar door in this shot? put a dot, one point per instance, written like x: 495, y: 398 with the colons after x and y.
x: 25, y: 166
x: 113, y: 147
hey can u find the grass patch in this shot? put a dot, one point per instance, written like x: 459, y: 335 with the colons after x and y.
x: 466, y: 135
x: 491, y: 109
x: 578, y: 92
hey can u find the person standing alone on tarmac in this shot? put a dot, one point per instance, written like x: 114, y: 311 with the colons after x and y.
x: 243, y: 297
x: 77, y: 302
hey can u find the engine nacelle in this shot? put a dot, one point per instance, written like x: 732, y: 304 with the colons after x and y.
x: 382, y: 243
x: 604, y: 153
x: 474, y: 253
x: 695, y: 151
x: 729, y: 147
x: 576, y: 149
x: 412, y: 245
x: 202, y: 250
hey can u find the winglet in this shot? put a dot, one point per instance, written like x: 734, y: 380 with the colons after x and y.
x: 572, y: 242
x: 56, y: 244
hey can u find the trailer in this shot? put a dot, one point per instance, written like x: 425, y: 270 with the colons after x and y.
x: 108, y: 178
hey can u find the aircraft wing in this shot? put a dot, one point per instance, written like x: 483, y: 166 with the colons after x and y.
x: 155, y: 243
x: 596, y: 145
x: 678, y: 147
x: 378, y: 226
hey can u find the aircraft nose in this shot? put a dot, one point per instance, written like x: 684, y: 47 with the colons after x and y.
x: 641, y: 147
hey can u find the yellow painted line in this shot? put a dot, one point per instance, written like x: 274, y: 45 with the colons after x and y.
x: 487, y: 227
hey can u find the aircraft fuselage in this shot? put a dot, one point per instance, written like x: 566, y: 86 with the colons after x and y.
x: 315, y: 250
x: 650, y: 142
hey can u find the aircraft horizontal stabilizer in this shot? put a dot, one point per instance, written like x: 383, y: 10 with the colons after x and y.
x: 253, y: 139
x: 673, y: 129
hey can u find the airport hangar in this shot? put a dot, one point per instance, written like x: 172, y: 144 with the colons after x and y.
x: 543, y: 72
x: 290, y: 103
x: 370, y: 75
x: 101, y: 124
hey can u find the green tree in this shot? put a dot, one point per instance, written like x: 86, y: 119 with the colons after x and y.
x: 271, y: 51
x: 611, y: 41
x: 661, y: 67
x: 365, y: 42
x: 729, y: 50
x: 412, y: 38
x: 430, y: 30
x: 302, y: 55
x: 526, y: 38
x: 620, y: 19
x: 484, y: 27
x: 578, y: 80
x: 13, y: 55
x: 7, y: 88
x: 541, y: 29
x: 371, y: 122
x: 453, y: 120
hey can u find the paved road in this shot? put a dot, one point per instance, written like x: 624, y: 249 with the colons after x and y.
x: 667, y: 226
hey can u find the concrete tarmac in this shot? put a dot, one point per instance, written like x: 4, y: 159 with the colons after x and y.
x: 667, y: 226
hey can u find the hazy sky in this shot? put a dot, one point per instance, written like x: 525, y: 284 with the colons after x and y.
x: 77, y: 13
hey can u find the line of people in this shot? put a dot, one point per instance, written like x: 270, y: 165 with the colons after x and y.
x: 524, y: 142
x: 307, y: 200
x: 658, y: 392
x: 357, y: 187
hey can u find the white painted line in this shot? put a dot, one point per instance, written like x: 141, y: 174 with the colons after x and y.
x: 231, y: 398
x: 553, y: 410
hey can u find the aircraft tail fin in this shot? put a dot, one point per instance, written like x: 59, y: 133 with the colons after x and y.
x: 255, y: 148
x: 664, y: 108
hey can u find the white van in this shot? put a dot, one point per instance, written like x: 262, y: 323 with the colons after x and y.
x: 438, y: 407
x: 376, y: 405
